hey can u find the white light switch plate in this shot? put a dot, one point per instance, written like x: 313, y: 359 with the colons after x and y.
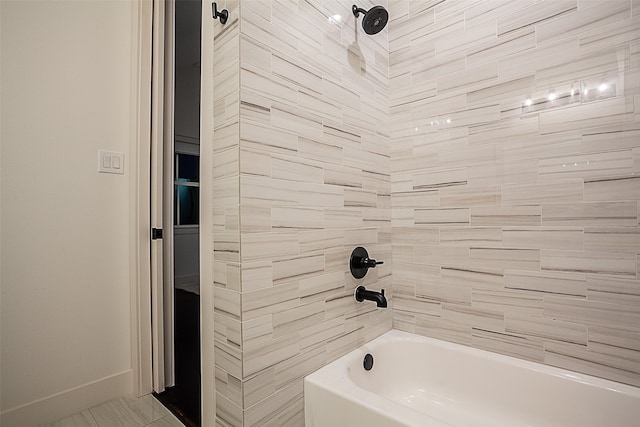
x: 110, y: 162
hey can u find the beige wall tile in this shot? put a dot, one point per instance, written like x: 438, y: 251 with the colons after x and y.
x: 257, y: 190
x: 417, y: 305
x: 613, y: 188
x: 507, y: 44
x: 339, y: 346
x: 516, y: 346
x: 610, y: 263
x: 516, y: 150
x: 410, y: 272
x: 471, y: 236
x: 587, y: 166
x: 320, y: 195
x: 266, y: 139
x: 416, y: 199
x: 545, y: 328
x: 296, y: 268
x: 618, y: 32
x: 591, y: 312
x: 267, y: 246
x: 506, y: 215
x: 270, y: 300
x: 583, y: 20
x: 439, y: 179
x: 507, y: 301
x: 441, y: 216
x: 293, y: 168
x: 551, y: 282
x: 270, y: 408
x: 612, y: 239
x: 256, y: 275
x: 478, y: 278
x: 615, y: 290
x: 227, y: 412
x: 441, y: 329
x: 548, y: 54
x: 436, y: 291
x: 415, y: 235
x: 598, y: 213
x: 258, y: 387
x: 360, y: 198
x: 503, y: 90
x: 286, y: 218
x: 466, y: 316
x: 543, y: 237
x: 228, y: 358
x: 607, y: 112
x: 621, y: 368
x: 320, y: 241
x: 255, y: 219
x: 615, y: 337
x: 487, y: 13
x: 229, y: 386
x: 296, y: 368
x: 583, y: 65
x: 544, y: 192
x: 468, y: 79
x: 534, y: 15
x: 505, y: 258
x: 470, y: 196
x: 490, y: 174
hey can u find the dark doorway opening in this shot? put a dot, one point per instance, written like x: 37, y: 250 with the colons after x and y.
x: 183, y: 398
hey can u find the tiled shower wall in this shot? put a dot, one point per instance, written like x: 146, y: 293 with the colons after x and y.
x: 226, y: 219
x: 302, y: 175
x: 515, y: 178
x: 512, y: 193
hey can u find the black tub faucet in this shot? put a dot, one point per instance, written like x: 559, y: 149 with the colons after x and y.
x: 363, y: 294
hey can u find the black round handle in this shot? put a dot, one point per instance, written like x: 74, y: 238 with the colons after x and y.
x: 360, y: 262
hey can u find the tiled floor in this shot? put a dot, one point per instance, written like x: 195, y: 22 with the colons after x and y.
x: 123, y: 412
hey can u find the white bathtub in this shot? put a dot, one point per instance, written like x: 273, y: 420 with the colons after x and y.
x: 422, y: 382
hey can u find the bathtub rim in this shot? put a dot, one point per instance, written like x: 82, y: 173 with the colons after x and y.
x: 395, y: 335
x: 331, y: 378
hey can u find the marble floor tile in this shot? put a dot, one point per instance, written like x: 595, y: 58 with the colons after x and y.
x: 82, y: 419
x: 128, y: 411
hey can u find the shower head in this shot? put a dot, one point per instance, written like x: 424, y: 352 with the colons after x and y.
x: 374, y: 19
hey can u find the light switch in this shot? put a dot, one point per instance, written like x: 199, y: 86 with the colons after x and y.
x: 110, y: 162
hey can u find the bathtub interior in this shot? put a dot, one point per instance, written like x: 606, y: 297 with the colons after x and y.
x: 466, y: 386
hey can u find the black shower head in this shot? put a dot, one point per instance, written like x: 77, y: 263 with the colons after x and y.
x: 374, y: 19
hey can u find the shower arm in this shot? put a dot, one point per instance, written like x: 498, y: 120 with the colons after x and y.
x: 357, y: 11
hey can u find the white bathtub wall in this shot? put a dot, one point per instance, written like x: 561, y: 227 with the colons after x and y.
x: 515, y: 226
x: 306, y: 181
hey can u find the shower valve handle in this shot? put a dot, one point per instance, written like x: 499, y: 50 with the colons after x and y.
x: 360, y: 262
x: 369, y: 263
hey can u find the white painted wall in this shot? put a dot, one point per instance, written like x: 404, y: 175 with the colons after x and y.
x: 65, y: 291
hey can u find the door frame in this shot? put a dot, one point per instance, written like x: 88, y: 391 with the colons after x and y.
x: 140, y: 199
x: 140, y: 202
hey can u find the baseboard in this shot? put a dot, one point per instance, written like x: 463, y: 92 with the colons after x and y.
x: 68, y: 402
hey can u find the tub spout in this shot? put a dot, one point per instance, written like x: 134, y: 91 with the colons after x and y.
x: 363, y: 294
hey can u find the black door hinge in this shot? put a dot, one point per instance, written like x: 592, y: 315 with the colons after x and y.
x: 156, y: 233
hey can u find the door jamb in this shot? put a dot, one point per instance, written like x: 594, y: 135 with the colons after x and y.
x: 139, y: 219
